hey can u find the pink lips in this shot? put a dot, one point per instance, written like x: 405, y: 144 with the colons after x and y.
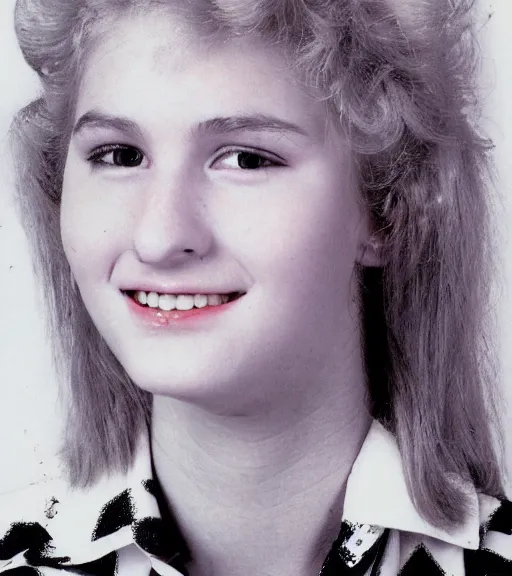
x: 154, y: 317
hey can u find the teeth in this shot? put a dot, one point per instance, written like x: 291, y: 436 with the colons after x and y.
x: 214, y: 300
x: 152, y: 300
x: 200, y: 301
x: 169, y: 302
x: 184, y: 302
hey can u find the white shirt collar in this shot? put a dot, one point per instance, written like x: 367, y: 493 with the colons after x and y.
x: 376, y: 494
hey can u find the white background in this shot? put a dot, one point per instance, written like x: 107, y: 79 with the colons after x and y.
x: 30, y: 421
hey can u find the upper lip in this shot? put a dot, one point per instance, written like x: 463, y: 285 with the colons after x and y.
x: 170, y: 288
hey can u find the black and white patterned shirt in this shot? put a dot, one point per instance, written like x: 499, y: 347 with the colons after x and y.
x: 118, y: 528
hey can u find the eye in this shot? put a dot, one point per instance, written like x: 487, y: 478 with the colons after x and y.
x: 119, y: 155
x: 245, y: 160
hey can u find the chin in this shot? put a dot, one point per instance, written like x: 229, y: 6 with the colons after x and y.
x: 222, y: 397
x: 184, y: 385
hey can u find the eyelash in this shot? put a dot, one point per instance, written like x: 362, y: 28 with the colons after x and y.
x: 95, y: 157
x: 275, y: 161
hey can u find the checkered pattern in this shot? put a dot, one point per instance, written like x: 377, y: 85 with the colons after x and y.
x: 121, y: 527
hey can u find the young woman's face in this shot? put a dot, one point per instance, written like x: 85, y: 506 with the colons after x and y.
x: 195, y: 171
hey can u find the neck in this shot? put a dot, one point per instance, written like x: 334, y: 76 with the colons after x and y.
x: 261, y: 493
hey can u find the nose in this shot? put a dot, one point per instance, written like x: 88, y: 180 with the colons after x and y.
x: 172, y: 225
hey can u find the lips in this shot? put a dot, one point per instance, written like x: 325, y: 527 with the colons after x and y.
x: 156, y: 317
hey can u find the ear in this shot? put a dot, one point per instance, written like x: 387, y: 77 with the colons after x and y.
x: 370, y: 253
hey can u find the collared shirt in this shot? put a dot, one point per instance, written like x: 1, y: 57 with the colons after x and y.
x: 118, y: 528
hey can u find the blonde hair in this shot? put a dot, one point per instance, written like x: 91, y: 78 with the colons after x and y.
x: 400, y: 77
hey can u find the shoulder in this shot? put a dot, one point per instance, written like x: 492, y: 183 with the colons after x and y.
x: 494, y: 553
x: 108, y: 528
x: 49, y: 527
x: 490, y: 555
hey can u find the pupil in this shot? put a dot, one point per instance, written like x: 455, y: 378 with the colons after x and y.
x: 127, y: 157
x: 248, y: 160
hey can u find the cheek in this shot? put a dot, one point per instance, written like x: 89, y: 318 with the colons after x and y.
x: 307, y: 235
x: 92, y: 227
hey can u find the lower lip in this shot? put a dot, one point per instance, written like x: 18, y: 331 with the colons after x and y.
x: 162, y: 318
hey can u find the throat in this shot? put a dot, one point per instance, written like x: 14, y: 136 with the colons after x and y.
x: 273, y: 506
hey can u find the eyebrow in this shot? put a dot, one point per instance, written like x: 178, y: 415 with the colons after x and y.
x: 251, y: 122
x: 94, y: 119
x: 218, y: 125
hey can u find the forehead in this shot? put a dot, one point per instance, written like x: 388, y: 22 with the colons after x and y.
x: 162, y: 61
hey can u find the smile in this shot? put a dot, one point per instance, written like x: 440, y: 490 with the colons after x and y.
x: 183, y: 302
x: 168, y: 310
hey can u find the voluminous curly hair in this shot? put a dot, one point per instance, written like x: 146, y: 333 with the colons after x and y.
x: 399, y: 77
